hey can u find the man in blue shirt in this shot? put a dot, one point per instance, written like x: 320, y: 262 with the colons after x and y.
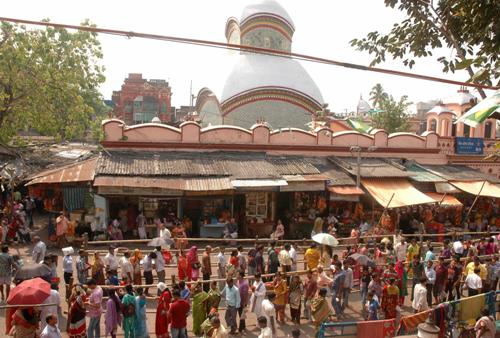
x: 429, y: 255
x: 233, y: 300
x: 337, y: 286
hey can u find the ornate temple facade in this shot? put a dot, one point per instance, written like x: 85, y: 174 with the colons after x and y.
x: 268, y: 88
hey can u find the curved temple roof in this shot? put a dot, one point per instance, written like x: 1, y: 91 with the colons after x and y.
x: 266, y: 7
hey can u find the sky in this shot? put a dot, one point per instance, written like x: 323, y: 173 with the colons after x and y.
x: 323, y: 28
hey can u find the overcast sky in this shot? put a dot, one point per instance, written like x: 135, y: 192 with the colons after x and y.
x: 323, y: 28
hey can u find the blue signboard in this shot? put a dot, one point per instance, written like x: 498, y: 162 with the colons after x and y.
x: 469, y: 145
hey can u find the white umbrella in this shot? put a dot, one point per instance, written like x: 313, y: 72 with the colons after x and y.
x: 325, y: 239
x: 159, y: 241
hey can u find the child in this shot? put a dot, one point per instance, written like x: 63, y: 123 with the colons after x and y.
x: 372, y: 305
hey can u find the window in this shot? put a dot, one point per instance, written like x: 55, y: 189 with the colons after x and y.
x: 433, y: 126
x: 257, y: 204
x: 466, y: 131
x: 487, y: 130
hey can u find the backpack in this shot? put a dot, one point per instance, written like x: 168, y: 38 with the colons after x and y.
x: 128, y: 310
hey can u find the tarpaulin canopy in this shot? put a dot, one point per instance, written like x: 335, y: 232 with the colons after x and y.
x: 448, y: 199
x: 474, y: 188
x: 399, y: 189
x: 346, y: 190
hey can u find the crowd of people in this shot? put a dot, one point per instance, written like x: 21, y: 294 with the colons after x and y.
x: 272, y: 288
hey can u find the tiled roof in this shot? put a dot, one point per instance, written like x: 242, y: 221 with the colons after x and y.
x: 420, y: 174
x: 236, y: 165
x: 371, y: 167
x: 454, y: 172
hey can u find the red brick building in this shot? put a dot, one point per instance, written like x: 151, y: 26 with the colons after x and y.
x: 140, y: 100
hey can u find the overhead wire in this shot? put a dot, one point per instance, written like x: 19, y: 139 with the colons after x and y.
x: 252, y: 49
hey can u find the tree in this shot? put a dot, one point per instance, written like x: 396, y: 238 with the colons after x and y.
x: 377, y: 95
x: 49, y: 81
x: 470, y: 28
x: 392, y: 115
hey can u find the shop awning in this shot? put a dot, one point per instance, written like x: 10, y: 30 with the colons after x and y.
x: 474, y: 188
x: 186, y: 184
x: 304, y: 183
x: 448, y: 199
x: 404, y: 193
x: 346, y: 190
x: 445, y: 188
x: 258, y: 183
x: 76, y: 172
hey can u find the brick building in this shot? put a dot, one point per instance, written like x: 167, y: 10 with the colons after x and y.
x: 140, y: 100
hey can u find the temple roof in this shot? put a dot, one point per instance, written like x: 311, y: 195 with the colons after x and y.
x: 254, y: 71
x: 267, y: 7
x: 461, y: 97
x: 440, y: 109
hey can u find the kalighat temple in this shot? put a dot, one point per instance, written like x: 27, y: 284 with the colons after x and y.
x: 250, y: 157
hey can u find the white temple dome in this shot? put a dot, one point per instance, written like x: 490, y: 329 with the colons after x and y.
x: 461, y: 98
x: 256, y: 72
x: 440, y: 109
x: 266, y: 7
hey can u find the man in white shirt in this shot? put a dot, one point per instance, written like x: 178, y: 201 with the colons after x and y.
x: 67, y: 266
x: 51, y: 330
x: 285, y: 261
x: 265, y: 331
x: 419, y: 303
x: 458, y: 247
x: 430, y: 274
x: 473, y: 282
x: 221, y: 267
x: 39, y: 250
x: 159, y: 265
x: 348, y: 285
x: 400, y: 249
x: 268, y: 311
x: 53, y: 310
x: 127, y: 269
x: 111, y: 261
x: 293, y: 256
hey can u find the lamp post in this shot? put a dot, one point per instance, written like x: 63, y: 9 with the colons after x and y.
x: 358, y: 150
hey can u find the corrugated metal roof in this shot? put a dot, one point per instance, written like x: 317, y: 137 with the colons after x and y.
x: 454, y: 172
x: 258, y: 183
x: 420, y: 174
x: 371, y: 167
x: 185, y: 184
x: 293, y: 166
x: 76, y: 172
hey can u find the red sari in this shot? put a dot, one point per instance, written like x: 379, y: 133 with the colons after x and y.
x: 161, y: 322
x: 390, y: 300
x: 183, y: 268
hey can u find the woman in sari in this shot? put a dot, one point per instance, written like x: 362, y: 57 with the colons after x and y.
x: 295, y: 297
x: 280, y: 290
x: 97, y: 269
x: 194, y: 263
x: 135, y: 260
x: 402, y: 279
x: 214, y: 297
x: 179, y: 234
x: 76, y: 314
x: 161, y: 322
x: 200, y: 298
x: 183, y: 267
x: 25, y: 323
x: 113, y: 317
x: 141, y: 327
x: 390, y: 299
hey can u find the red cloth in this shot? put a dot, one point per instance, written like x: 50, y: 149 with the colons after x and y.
x: 377, y: 328
x: 178, y: 313
x: 161, y: 322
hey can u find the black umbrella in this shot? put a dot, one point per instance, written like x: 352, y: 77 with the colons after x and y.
x: 31, y: 271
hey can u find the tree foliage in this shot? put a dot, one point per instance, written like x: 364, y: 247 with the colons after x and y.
x: 49, y: 81
x: 470, y: 28
x: 377, y: 95
x: 392, y: 114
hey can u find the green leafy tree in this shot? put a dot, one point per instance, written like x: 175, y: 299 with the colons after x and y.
x: 470, y: 28
x: 393, y: 115
x: 49, y: 80
x: 377, y: 95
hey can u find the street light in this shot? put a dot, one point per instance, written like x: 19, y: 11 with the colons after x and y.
x: 358, y: 150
